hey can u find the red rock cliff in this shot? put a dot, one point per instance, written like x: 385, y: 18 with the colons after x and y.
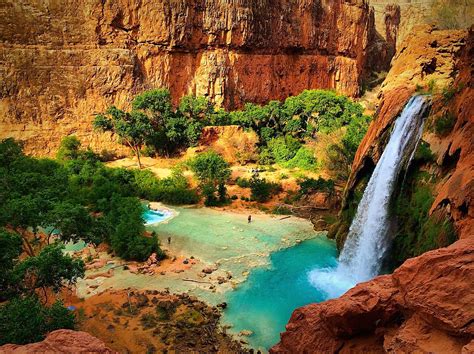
x: 63, y: 61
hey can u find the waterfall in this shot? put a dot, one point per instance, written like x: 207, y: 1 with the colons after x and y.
x: 368, y: 238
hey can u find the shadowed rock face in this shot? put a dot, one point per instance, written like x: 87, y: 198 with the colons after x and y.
x: 63, y: 61
x: 61, y: 341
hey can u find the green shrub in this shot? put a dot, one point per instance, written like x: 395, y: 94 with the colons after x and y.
x: 445, y: 124
x: 234, y: 197
x: 311, y: 185
x: 431, y: 86
x: 262, y: 190
x: 304, y: 159
x: 213, y: 172
x: 418, y: 231
x: 284, y: 148
x: 242, y: 182
x: 26, y: 320
x: 423, y: 153
x: 127, y: 238
x: 174, y: 190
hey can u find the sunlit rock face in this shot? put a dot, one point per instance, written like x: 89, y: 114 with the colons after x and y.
x: 63, y: 61
x: 61, y: 341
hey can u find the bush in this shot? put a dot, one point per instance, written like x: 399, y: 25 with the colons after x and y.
x: 173, y: 190
x: 304, y: 159
x: 311, y: 185
x: 423, y: 153
x: 234, y: 197
x: 341, y: 155
x: 284, y: 148
x: 127, y: 238
x: 242, y: 182
x: 262, y: 190
x: 69, y: 148
x: 26, y: 320
x: 445, y: 124
x: 213, y: 172
x: 418, y: 231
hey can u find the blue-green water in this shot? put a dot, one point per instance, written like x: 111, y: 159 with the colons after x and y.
x: 264, y: 303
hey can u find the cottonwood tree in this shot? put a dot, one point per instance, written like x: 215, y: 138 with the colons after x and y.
x: 133, y: 128
x: 212, y: 172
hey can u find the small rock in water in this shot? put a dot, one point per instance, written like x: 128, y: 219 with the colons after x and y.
x: 208, y: 270
x: 298, y: 240
x: 246, y: 332
x: 222, y: 305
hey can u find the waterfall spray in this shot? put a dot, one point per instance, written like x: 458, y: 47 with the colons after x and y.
x: 368, y: 238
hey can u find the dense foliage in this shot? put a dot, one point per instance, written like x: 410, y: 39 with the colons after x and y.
x: 23, y: 317
x: 76, y: 197
x: 419, y: 231
x: 312, y: 185
x: 282, y: 128
x: 79, y: 198
x: 153, y: 122
x: 212, y: 172
x: 262, y: 190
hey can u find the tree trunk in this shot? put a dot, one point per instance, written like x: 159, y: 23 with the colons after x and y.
x: 27, y: 245
x: 138, y: 158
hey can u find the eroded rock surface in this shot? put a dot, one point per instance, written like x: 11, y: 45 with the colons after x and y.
x: 62, y: 62
x: 61, y: 341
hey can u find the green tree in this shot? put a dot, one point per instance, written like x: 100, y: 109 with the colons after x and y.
x: 69, y: 148
x: 50, y: 269
x: 196, y: 108
x: 26, y: 320
x: 262, y: 190
x: 283, y: 148
x: 134, y: 129
x: 72, y: 222
x: 127, y: 238
x: 212, y: 172
x: 10, y: 244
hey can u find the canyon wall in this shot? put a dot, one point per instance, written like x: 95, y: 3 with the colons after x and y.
x: 62, y: 61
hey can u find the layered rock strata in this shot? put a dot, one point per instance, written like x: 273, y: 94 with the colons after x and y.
x: 63, y: 61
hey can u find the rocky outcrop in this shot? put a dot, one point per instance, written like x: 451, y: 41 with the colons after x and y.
x: 407, y: 15
x: 61, y: 341
x: 63, y: 61
x: 425, y: 306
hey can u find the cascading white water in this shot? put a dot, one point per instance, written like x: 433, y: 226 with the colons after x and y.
x: 368, y: 238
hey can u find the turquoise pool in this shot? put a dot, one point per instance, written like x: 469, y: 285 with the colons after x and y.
x: 156, y: 216
x: 264, y: 303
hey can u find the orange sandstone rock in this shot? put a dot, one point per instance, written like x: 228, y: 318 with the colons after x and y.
x: 61, y: 64
x: 61, y: 341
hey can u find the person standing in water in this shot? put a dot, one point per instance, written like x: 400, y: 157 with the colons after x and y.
x: 249, y: 219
